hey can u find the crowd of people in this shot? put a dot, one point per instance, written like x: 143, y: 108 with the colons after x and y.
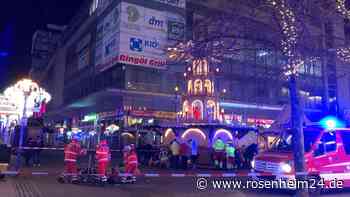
x: 184, y: 155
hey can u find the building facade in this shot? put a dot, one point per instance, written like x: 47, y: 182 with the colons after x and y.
x: 112, y: 61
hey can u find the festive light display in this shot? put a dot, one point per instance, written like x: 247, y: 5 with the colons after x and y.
x: 344, y: 52
x: 195, y: 130
x: 223, y: 131
x: 37, y: 96
x: 288, y: 24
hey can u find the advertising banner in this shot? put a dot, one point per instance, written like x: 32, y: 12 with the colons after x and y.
x: 107, y: 40
x: 136, y: 35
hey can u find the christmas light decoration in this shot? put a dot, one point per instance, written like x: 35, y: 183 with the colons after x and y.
x: 344, y: 52
x: 288, y: 25
x: 223, y: 131
x: 194, y: 130
x: 341, y: 8
x: 31, y: 90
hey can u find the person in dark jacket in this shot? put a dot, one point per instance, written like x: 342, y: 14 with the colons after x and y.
x: 249, y: 154
x: 28, y: 154
x: 36, y: 152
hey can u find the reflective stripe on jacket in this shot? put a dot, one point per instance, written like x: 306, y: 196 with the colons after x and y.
x: 71, y: 152
x: 132, y: 159
x: 102, y: 153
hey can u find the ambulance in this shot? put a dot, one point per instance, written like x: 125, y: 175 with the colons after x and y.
x: 327, y: 153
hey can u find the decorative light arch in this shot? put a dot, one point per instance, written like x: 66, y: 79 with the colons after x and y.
x: 226, y: 132
x: 189, y: 86
x: 195, y: 130
x: 168, y: 132
x: 198, y: 86
x: 208, y: 86
x: 128, y: 134
x: 200, y: 103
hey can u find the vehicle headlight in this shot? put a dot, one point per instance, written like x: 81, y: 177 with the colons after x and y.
x: 253, y: 163
x: 285, y: 167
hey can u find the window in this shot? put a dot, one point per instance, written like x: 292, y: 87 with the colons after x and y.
x: 327, y: 144
x: 346, y: 139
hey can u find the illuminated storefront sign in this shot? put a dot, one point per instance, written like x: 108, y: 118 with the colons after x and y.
x: 154, y: 114
x: 175, y: 3
x: 90, y: 118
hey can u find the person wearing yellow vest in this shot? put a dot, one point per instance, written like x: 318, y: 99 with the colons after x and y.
x: 230, y: 155
x: 219, y: 152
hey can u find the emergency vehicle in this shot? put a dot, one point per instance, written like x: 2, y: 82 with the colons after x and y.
x: 327, y: 153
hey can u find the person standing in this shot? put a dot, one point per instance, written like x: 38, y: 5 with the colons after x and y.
x: 71, y: 153
x: 184, y: 153
x: 39, y: 144
x: 230, y: 155
x: 175, y: 150
x: 131, y: 167
x: 194, y: 153
x: 103, y: 158
x: 219, y: 152
x: 28, y: 154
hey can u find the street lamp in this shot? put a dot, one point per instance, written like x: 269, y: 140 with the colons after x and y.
x: 23, y: 92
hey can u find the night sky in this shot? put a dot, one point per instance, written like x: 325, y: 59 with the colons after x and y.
x: 18, y: 21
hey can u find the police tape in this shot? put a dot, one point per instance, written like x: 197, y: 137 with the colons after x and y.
x: 60, y: 148
x: 344, y: 174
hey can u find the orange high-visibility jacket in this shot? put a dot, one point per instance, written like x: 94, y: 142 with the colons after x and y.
x: 132, y: 159
x: 72, y: 151
x: 102, y: 153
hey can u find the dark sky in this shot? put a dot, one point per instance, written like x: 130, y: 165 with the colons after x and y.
x: 18, y: 21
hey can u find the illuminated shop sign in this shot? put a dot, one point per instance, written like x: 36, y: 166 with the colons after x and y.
x: 175, y: 3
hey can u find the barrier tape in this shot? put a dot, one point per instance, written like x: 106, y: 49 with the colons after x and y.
x: 112, y: 150
x: 181, y: 175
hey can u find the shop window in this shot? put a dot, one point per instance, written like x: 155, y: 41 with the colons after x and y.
x: 327, y: 144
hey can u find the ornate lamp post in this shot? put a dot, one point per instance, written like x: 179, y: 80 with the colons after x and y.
x: 23, y: 92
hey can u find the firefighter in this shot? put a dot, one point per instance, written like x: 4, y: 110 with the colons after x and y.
x: 219, y: 152
x: 71, y: 153
x: 230, y: 155
x: 103, y: 158
x: 131, y: 163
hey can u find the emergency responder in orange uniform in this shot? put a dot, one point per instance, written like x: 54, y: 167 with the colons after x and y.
x: 71, y: 153
x: 131, y: 163
x: 102, y: 157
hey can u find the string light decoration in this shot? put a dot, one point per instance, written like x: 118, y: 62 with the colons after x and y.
x: 344, y: 52
x: 341, y: 8
x: 287, y: 21
x: 181, y: 51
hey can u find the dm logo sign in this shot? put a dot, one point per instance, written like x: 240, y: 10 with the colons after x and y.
x: 133, y: 14
x: 136, y: 44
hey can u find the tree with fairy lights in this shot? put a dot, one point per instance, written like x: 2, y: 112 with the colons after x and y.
x: 213, y: 48
x: 287, y: 20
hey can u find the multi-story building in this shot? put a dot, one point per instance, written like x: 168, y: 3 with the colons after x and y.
x: 112, y: 60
